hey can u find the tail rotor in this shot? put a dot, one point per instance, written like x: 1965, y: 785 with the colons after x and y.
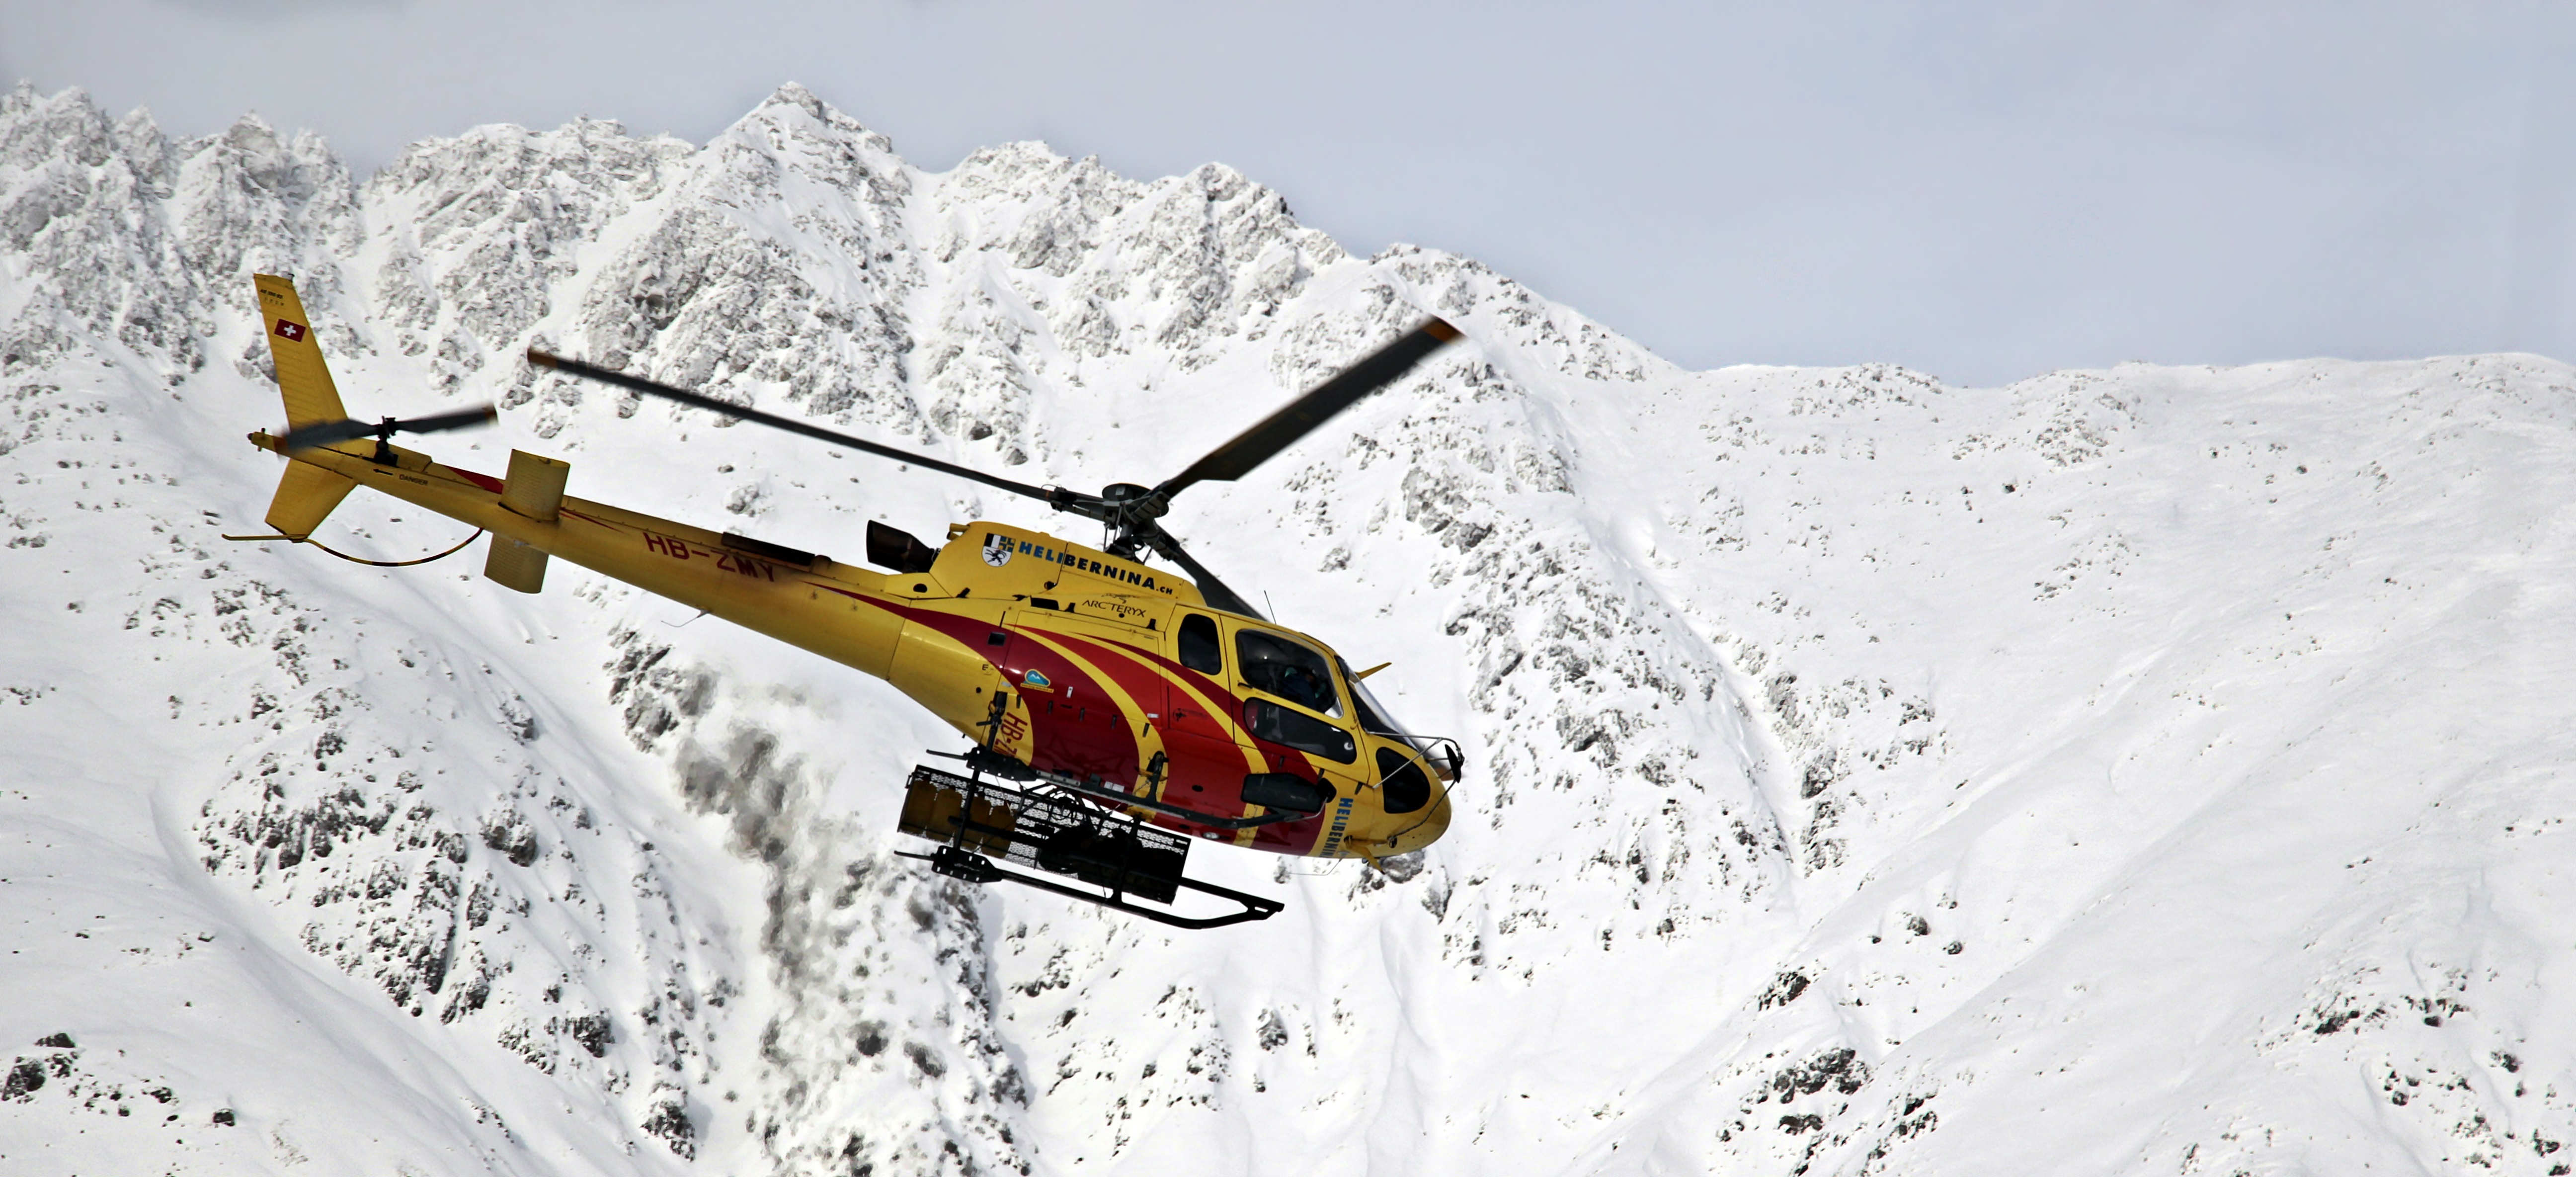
x: 334, y: 432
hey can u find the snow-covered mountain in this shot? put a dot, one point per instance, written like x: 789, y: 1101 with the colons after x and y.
x: 2147, y: 770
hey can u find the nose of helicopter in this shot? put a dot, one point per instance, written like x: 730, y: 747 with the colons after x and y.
x: 1435, y: 822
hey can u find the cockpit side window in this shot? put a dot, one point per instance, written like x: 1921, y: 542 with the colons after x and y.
x: 1198, y: 645
x: 1291, y: 671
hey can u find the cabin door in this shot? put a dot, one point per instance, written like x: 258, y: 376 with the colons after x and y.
x: 1199, y: 726
x: 1075, y: 726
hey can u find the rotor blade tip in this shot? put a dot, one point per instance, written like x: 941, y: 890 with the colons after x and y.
x: 541, y: 359
x: 1440, y: 329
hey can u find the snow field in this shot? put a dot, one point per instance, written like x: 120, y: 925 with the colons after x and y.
x: 2150, y: 769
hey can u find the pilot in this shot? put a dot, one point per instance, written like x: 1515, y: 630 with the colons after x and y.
x: 1302, y: 685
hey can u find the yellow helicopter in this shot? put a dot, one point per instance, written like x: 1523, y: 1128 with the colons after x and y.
x: 1118, y: 711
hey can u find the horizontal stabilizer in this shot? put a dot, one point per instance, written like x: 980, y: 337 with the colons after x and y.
x: 305, y: 496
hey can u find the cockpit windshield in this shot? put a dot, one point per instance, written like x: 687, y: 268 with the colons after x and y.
x: 1441, y: 753
x: 1374, y: 716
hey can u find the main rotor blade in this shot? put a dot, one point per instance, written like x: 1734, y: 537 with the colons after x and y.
x: 1260, y: 443
x: 711, y: 404
x: 1213, y: 590
x: 332, y: 432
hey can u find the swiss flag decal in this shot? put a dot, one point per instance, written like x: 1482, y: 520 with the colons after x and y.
x: 292, y: 330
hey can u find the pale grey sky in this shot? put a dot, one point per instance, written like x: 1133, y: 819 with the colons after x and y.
x: 1983, y: 191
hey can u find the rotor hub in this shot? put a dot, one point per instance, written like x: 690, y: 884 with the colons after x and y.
x: 1134, y: 502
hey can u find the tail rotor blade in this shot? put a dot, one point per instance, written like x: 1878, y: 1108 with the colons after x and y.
x: 462, y: 419
x: 334, y: 432
x: 327, y: 433
x: 1303, y: 415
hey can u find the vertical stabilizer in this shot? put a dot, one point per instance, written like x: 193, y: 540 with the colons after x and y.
x: 308, y: 492
x: 535, y: 486
x: 515, y: 565
x: 534, y: 489
x: 311, y: 398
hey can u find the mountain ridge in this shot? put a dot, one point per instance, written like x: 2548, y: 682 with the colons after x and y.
x: 1794, y: 699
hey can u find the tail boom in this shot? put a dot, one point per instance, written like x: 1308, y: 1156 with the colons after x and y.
x: 823, y: 606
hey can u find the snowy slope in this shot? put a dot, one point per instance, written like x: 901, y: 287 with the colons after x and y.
x: 2153, y: 770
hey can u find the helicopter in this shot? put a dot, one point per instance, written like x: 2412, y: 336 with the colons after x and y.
x: 1118, y: 712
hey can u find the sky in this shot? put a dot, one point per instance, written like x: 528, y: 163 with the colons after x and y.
x: 1982, y: 191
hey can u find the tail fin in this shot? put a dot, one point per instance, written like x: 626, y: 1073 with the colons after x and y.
x: 308, y: 493
x: 311, y: 398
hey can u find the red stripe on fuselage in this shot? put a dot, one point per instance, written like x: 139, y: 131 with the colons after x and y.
x: 1116, y: 761
x: 1075, y: 728
x: 1146, y: 678
x: 1203, y: 766
x: 1295, y: 761
x: 1287, y: 837
x: 485, y: 481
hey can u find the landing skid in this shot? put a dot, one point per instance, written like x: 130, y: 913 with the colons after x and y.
x: 982, y: 821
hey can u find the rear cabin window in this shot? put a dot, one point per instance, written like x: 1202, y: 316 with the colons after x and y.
x: 1198, y: 645
x: 1291, y: 671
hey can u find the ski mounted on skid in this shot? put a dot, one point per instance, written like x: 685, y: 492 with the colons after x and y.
x: 979, y: 821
